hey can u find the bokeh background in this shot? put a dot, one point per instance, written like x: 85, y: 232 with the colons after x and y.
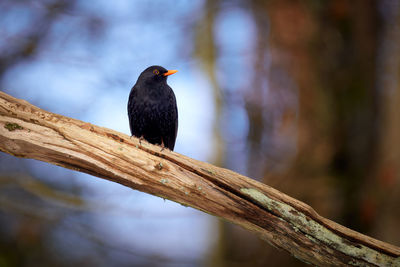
x: 302, y: 95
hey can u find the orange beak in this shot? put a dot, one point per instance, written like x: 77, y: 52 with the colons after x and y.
x: 169, y: 72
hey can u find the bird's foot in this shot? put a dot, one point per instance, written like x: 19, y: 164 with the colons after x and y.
x: 140, y: 140
x: 162, y: 146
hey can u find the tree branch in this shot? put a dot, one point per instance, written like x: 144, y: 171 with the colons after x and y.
x: 29, y: 132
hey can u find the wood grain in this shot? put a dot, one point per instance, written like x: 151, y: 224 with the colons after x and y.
x: 284, y: 222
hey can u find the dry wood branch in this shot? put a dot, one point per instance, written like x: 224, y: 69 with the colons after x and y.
x: 29, y: 132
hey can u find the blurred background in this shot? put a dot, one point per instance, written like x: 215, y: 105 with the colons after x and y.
x: 302, y: 95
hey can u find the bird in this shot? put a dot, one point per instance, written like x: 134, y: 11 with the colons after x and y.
x: 152, y: 109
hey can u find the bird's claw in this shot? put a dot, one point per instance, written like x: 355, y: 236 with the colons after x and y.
x: 140, y: 140
x: 162, y: 146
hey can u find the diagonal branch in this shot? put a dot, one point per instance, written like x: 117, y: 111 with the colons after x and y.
x: 29, y: 132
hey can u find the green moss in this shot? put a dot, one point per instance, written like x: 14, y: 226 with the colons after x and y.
x: 12, y: 126
x: 354, y: 263
x: 159, y: 166
x: 317, y: 232
x: 164, y: 181
x: 211, y: 172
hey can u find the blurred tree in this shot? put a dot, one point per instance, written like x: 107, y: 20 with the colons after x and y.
x: 43, y: 15
x: 321, y: 115
x: 330, y: 51
x: 206, y: 52
x: 381, y: 197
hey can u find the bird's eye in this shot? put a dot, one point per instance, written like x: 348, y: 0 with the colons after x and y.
x: 156, y: 71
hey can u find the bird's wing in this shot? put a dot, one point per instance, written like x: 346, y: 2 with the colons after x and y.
x: 170, y: 128
x: 133, y: 114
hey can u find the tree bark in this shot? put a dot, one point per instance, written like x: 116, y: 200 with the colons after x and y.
x: 284, y: 222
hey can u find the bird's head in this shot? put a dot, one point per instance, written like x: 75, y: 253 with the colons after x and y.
x: 155, y: 74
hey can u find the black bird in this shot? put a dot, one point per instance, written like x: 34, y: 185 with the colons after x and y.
x: 152, y: 110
